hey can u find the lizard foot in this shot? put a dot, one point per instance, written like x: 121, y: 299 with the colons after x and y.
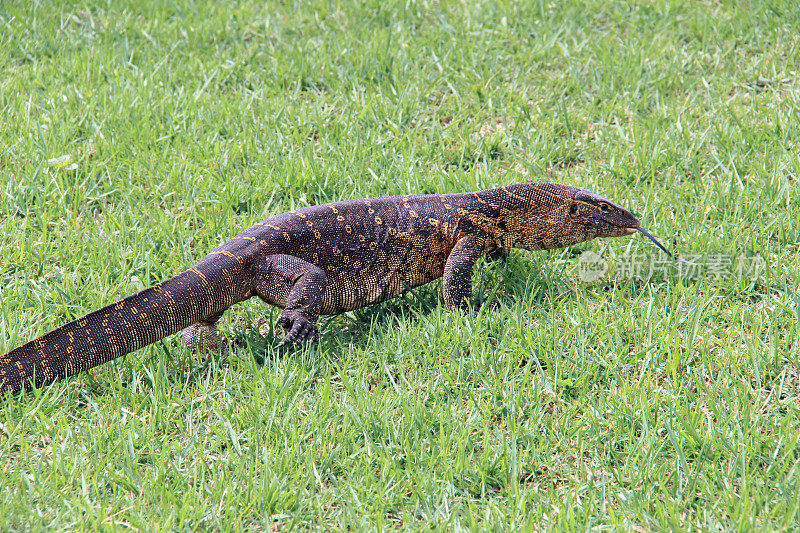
x: 203, y: 336
x: 298, y: 329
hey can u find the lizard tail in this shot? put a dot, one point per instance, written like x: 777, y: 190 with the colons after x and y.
x: 122, y: 327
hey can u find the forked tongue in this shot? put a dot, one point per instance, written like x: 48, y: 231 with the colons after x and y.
x: 655, y: 241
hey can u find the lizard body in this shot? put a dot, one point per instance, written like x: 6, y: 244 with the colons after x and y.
x: 325, y: 259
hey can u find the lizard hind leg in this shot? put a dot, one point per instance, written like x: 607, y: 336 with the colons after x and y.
x: 204, y: 336
x: 297, y: 286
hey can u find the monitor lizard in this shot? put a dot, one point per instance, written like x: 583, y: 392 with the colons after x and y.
x: 325, y: 260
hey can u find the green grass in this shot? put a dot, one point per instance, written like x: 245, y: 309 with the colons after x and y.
x: 134, y: 139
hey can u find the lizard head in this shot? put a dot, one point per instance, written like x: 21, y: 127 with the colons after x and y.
x: 599, y: 216
x: 554, y: 216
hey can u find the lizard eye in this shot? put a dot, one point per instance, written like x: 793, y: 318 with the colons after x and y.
x: 573, y: 209
x: 604, y: 208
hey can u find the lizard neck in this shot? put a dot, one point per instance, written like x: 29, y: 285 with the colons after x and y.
x: 527, y: 215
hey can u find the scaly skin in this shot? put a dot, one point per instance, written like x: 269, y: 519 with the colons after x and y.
x: 325, y: 259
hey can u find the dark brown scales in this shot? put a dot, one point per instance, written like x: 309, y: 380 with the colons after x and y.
x: 326, y: 259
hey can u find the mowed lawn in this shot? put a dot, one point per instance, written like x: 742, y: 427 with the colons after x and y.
x: 136, y: 137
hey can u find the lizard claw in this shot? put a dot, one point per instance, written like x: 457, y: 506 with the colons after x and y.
x: 299, y: 329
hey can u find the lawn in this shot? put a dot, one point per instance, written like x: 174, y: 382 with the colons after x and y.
x: 136, y: 138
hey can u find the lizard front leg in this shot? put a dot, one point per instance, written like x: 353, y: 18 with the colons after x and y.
x: 457, y: 282
x: 297, y: 286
